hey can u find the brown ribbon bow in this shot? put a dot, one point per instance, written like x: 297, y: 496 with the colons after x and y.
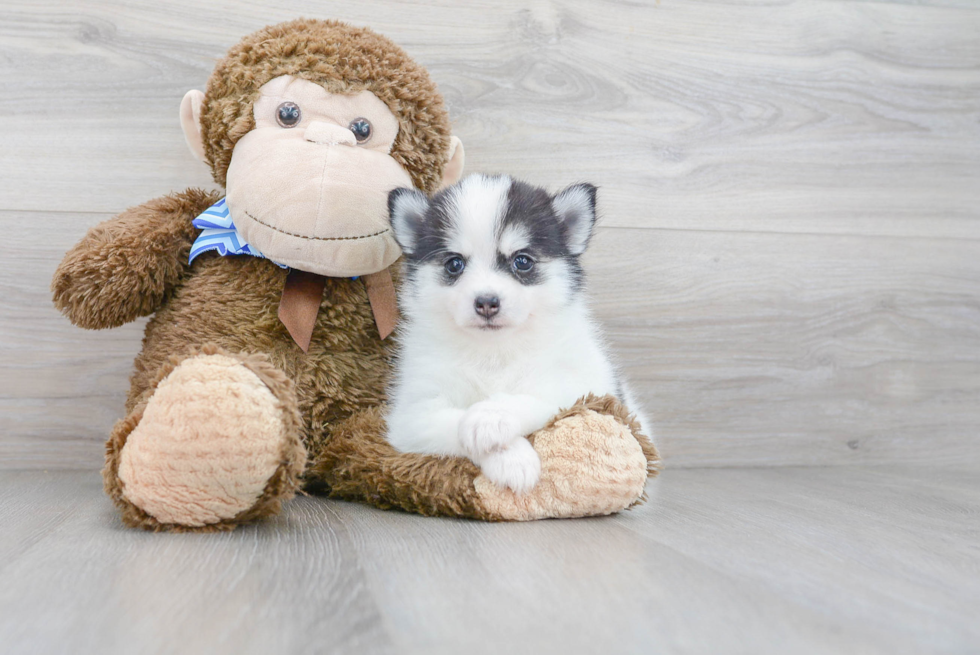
x: 303, y: 292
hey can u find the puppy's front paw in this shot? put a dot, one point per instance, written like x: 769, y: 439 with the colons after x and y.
x: 516, y: 467
x: 487, y: 427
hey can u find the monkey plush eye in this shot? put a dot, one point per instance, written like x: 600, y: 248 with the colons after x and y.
x: 361, y: 127
x: 288, y: 114
x: 455, y: 265
x: 523, y: 263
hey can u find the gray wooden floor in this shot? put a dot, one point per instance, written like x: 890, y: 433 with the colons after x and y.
x: 778, y: 560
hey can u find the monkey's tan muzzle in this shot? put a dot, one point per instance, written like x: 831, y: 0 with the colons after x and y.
x: 313, y: 208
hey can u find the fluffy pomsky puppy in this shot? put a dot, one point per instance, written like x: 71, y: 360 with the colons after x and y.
x: 496, y: 335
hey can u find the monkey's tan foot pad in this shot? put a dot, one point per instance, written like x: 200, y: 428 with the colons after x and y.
x: 591, y: 465
x: 215, y: 445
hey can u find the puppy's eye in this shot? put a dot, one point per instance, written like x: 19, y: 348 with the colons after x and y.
x: 455, y: 265
x: 288, y: 114
x: 523, y: 263
x: 361, y: 127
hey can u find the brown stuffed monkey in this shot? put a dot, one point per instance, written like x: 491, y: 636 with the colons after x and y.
x: 264, y: 366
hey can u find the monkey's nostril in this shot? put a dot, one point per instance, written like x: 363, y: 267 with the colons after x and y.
x: 487, y: 306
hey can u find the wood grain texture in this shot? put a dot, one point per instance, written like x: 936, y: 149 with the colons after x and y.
x: 826, y: 116
x: 745, y: 348
x: 789, y: 193
x: 762, y: 561
x: 61, y: 388
x: 761, y: 348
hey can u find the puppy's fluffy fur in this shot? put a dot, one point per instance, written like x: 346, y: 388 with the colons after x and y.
x: 496, y: 334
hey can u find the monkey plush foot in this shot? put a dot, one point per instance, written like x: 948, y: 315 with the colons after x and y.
x: 216, y: 443
x: 592, y: 463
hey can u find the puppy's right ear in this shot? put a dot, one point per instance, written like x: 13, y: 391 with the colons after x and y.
x: 407, y: 208
x: 575, y: 208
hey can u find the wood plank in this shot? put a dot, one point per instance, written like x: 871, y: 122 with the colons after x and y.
x: 820, y: 116
x: 801, y: 560
x: 752, y: 531
x: 61, y: 388
x: 745, y: 348
x: 810, y: 534
x: 755, y: 349
x: 81, y: 579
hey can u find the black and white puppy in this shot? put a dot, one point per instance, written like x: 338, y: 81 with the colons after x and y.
x: 496, y: 335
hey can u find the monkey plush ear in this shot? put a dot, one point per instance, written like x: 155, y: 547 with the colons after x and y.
x: 407, y: 208
x: 190, y: 120
x: 575, y: 208
x: 454, y: 167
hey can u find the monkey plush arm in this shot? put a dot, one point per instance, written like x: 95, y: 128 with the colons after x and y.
x: 594, y: 461
x: 125, y: 267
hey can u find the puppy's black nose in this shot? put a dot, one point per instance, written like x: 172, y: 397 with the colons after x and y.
x: 487, y: 306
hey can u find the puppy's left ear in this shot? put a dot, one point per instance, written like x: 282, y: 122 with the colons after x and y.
x: 575, y: 208
x: 407, y: 208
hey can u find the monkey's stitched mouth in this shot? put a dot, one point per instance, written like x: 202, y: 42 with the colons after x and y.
x: 303, y: 236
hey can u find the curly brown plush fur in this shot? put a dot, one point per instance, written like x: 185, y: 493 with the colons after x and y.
x: 360, y: 464
x: 124, y: 268
x: 117, y: 272
x: 342, y: 59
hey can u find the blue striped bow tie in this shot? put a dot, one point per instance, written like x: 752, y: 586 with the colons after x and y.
x: 218, y: 232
